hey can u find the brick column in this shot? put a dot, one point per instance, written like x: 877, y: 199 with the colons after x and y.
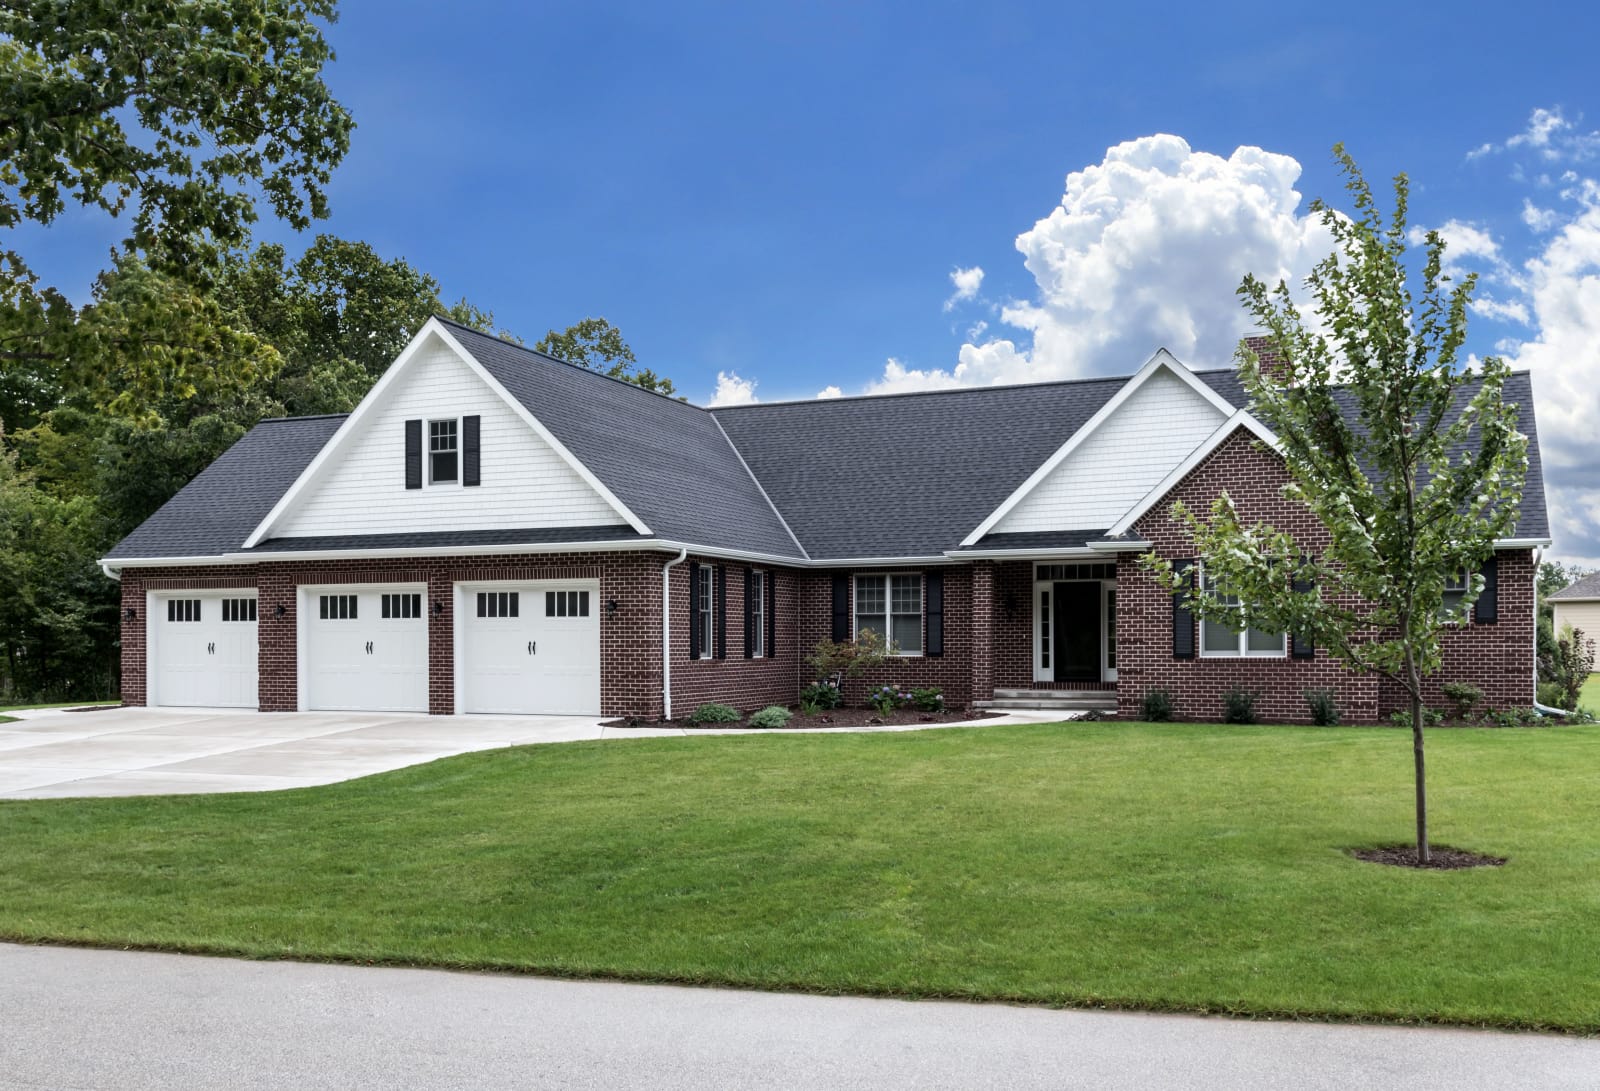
x: 982, y: 628
x: 441, y: 642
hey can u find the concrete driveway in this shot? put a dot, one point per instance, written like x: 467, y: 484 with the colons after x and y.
x: 146, y: 751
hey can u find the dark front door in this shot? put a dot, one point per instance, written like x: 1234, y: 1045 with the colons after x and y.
x: 1078, y: 628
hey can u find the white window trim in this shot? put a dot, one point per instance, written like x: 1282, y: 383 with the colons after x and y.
x: 758, y: 613
x: 1245, y: 651
x: 1457, y: 584
x: 707, y: 621
x: 428, y: 453
x: 888, y: 609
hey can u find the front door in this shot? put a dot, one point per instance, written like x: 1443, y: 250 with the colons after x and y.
x: 1077, y: 631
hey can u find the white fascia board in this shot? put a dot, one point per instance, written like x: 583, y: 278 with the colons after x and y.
x: 1240, y: 418
x: 352, y: 424
x: 1126, y: 546
x: 1533, y: 543
x: 1022, y: 554
x: 1162, y: 360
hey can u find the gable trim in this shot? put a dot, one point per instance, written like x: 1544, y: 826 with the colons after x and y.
x: 1162, y: 360
x: 326, y: 457
x: 1238, y: 419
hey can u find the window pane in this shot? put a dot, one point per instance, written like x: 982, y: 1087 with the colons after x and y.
x: 1218, y: 639
x: 583, y: 604
x: 869, y: 596
x: 908, y: 633
x: 876, y: 622
x: 1258, y: 641
x: 1111, y: 629
x: 907, y: 595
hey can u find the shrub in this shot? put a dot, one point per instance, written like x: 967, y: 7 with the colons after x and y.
x: 1512, y: 717
x: 1569, y: 665
x: 928, y: 699
x: 821, y: 696
x: 1464, y: 697
x: 714, y: 713
x: 1239, y: 705
x: 771, y: 716
x: 1156, y: 706
x: 888, y: 698
x: 1401, y: 717
x: 1324, y: 709
x: 1552, y: 694
x: 848, y: 658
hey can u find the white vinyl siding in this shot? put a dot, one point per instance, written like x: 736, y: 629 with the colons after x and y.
x: 1583, y: 616
x: 525, y: 482
x: 891, y: 606
x: 1122, y: 460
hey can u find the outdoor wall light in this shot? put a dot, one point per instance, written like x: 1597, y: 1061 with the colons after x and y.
x: 611, y: 606
x: 277, y: 611
x: 130, y: 613
x: 438, y: 607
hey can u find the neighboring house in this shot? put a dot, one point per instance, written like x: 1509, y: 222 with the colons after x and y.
x: 1578, y: 605
x: 492, y: 530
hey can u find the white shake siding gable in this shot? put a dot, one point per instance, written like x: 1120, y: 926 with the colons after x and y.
x: 1122, y: 460
x: 525, y: 482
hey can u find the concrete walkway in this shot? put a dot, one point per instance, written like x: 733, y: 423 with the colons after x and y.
x: 162, y: 751
x: 112, y: 1019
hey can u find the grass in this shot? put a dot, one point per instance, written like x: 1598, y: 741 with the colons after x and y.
x: 8, y: 719
x: 1589, y: 696
x: 1155, y: 866
x: 61, y: 704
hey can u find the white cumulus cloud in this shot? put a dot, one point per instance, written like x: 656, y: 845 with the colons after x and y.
x: 1145, y: 249
x: 967, y: 282
x: 830, y: 392
x: 732, y: 390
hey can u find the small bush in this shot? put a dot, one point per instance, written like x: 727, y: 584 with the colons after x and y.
x: 770, y: 717
x: 888, y: 698
x: 1552, y: 694
x: 1239, y: 705
x: 1464, y: 697
x: 820, y: 696
x: 1512, y: 717
x: 1156, y: 706
x: 714, y: 713
x: 1324, y: 709
x: 1401, y: 717
x: 928, y: 699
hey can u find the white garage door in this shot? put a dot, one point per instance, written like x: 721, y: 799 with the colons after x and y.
x: 365, y: 648
x: 530, y: 648
x: 203, y: 650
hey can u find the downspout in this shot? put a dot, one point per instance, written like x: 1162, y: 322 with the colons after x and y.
x: 666, y: 632
x: 1541, y: 709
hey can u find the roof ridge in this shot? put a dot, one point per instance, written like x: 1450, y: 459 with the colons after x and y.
x: 308, y: 416
x: 548, y: 358
x: 925, y: 393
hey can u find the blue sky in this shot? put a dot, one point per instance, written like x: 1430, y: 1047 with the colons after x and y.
x: 780, y: 193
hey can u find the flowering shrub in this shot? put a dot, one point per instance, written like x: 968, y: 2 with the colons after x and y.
x: 888, y: 698
x: 819, y: 696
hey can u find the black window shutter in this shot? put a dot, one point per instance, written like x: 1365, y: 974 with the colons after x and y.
x: 1182, y: 617
x: 935, y: 585
x: 470, y: 460
x: 1487, y: 608
x: 413, y: 454
x: 1301, y: 647
x: 694, y: 610
x: 841, y: 609
x: 722, y: 612
x: 772, y: 614
x: 749, y: 613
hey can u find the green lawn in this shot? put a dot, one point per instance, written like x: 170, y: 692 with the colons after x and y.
x: 61, y: 704
x: 1156, y: 866
x: 1589, y: 696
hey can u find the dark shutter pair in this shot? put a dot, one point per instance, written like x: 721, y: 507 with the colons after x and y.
x: 933, y: 586
x: 471, y: 452
x: 1183, y: 637
x: 720, y: 605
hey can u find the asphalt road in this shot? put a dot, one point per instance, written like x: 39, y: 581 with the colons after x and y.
x: 109, y: 1019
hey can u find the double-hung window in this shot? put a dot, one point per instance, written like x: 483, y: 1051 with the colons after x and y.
x: 758, y: 614
x: 443, y: 452
x: 1455, y: 589
x: 1217, y: 639
x: 891, y: 606
x: 707, y: 611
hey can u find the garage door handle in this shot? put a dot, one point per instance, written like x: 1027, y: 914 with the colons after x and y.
x: 211, y: 649
x: 369, y: 647
x: 533, y: 647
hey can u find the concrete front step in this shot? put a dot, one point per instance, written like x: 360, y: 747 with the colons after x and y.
x: 1058, y: 694
x: 1052, y: 704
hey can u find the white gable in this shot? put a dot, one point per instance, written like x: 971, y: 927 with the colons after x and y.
x: 362, y: 490
x: 1122, y: 460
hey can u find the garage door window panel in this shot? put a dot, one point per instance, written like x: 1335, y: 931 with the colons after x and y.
x: 566, y: 604
x: 499, y: 603
x: 338, y: 607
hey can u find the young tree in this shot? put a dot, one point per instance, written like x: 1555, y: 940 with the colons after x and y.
x: 1402, y: 450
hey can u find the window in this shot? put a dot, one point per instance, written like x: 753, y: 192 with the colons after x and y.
x: 1455, y: 589
x: 707, y: 612
x: 1054, y: 572
x: 402, y: 606
x: 1111, y: 628
x: 1044, y: 629
x: 499, y: 603
x: 758, y: 614
x: 892, y: 607
x: 238, y: 609
x: 1217, y: 639
x: 183, y: 609
x: 566, y: 604
x: 442, y: 450
x: 338, y: 607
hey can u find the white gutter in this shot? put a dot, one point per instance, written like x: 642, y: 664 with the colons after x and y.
x: 109, y: 572
x: 666, y: 633
x: 1023, y: 554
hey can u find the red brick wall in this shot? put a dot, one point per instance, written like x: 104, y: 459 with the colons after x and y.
x: 952, y: 672
x: 746, y: 684
x: 1499, y: 657
x: 135, y: 583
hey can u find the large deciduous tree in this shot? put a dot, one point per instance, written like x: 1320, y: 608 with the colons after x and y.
x: 597, y: 345
x: 1403, y: 450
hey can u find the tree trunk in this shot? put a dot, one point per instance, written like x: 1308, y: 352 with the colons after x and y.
x: 1423, y: 853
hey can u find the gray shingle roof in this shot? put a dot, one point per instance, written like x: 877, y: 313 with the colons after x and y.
x: 1037, y: 539
x: 215, y: 513
x: 451, y: 538
x: 1586, y: 588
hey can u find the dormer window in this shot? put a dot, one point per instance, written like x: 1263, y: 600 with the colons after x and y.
x: 443, y: 452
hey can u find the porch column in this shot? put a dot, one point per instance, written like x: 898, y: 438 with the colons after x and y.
x: 982, y: 630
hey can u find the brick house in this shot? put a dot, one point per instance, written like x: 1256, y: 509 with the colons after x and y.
x: 493, y: 530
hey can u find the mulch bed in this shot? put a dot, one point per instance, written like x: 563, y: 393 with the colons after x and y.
x: 839, y: 717
x: 1441, y: 857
